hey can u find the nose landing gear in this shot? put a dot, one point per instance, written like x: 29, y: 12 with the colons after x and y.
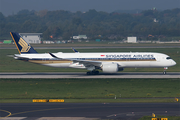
x: 164, y: 72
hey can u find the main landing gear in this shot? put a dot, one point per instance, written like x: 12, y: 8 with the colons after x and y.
x: 93, y: 73
x: 164, y: 72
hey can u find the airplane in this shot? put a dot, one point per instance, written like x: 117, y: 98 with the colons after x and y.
x: 106, y: 62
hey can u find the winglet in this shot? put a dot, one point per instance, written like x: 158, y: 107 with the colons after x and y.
x: 21, y: 44
x: 75, y: 50
x: 53, y: 55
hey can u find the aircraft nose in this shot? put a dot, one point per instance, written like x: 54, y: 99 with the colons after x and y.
x: 173, y: 62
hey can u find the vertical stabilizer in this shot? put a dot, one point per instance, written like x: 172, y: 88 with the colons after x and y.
x: 22, y: 46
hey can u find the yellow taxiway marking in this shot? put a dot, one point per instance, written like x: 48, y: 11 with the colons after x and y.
x: 6, y: 112
x: 37, y: 110
x: 40, y: 110
x: 10, y: 114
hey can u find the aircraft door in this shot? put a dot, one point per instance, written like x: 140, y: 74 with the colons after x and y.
x: 158, y: 58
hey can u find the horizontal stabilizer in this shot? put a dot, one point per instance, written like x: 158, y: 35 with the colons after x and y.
x: 75, y: 50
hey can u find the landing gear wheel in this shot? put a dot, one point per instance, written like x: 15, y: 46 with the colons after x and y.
x: 93, y: 73
x: 96, y: 72
x: 164, y: 72
x: 88, y: 73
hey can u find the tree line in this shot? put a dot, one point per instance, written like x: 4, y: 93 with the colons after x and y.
x: 60, y: 24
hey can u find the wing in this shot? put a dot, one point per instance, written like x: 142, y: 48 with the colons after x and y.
x: 88, y: 62
x: 84, y: 62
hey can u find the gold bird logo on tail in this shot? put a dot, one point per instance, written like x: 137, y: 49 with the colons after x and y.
x: 24, y: 45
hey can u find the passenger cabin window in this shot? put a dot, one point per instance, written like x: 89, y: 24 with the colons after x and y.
x: 168, y: 58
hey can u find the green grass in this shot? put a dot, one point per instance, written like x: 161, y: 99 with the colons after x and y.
x: 169, y: 117
x: 9, y: 64
x: 90, y: 89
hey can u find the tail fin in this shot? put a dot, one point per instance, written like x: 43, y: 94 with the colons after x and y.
x: 22, y: 46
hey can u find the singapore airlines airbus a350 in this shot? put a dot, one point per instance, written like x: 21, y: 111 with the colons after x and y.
x: 107, y: 62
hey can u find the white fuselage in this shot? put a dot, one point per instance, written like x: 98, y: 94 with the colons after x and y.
x: 124, y: 60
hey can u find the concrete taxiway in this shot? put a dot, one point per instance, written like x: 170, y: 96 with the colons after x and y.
x: 83, y: 75
x: 85, y: 111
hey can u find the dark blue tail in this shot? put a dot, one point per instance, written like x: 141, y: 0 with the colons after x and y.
x: 22, y: 46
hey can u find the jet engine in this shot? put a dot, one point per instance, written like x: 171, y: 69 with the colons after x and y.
x: 110, y: 67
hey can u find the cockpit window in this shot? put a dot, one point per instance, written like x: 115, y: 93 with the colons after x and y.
x: 168, y: 58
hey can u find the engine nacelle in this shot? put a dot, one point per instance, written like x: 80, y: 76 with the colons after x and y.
x: 110, y: 67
